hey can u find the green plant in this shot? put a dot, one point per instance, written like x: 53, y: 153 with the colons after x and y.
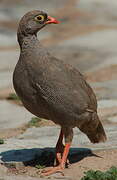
x: 1, y: 141
x: 34, y: 122
x: 111, y: 174
x: 38, y: 166
x: 13, y: 96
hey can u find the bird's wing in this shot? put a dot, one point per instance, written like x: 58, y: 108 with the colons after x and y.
x: 65, y: 89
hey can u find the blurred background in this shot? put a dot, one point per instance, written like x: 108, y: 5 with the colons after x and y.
x: 85, y: 38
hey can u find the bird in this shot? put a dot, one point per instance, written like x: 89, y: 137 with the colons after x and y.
x: 54, y: 90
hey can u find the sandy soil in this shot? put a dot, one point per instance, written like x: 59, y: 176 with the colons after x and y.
x: 99, y: 160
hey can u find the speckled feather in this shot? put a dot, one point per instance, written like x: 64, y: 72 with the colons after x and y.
x: 53, y: 90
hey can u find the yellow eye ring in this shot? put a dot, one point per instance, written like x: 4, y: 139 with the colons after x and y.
x: 39, y: 18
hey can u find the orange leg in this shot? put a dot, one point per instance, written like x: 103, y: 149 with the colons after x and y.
x: 61, y: 151
x: 61, y: 166
x: 59, y: 148
x: 65, y: 154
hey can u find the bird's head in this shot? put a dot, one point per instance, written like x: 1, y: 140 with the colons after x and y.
x: 33, y: 21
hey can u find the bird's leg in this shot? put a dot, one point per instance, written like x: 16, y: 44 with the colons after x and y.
x: 68, y: 139
x: 59, y: 148
x: 65, y: 154
x: 61, y: 166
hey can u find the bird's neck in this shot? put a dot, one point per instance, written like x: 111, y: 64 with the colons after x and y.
x: 26, y: 39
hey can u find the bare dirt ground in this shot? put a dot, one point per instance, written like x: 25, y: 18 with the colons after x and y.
x: 98, y: 160
x: 102, y: 161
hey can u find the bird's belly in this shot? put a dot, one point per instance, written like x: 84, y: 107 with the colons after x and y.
x: 30, y: 101
x: 36, y: 109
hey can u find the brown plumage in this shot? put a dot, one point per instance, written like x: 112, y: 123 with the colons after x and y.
x: 53, y: 90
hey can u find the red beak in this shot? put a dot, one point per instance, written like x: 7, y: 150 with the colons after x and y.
x: 52, y: 20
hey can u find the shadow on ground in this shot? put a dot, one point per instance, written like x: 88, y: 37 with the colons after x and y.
x: 41, y: 156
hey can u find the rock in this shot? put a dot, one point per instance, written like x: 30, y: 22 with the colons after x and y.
x: 105, y: 103
x: 12, y: 115
x: 113, y: 119
x: 37, y: 143
x: 104, y: 10
x: 8, y: 59
x: 105, y: 113
x: 107, y: 89
x: 107, y: 108
x: 5, y: 79
x: 6, y: 68
x: 7, y: 40
x: 94, y: 41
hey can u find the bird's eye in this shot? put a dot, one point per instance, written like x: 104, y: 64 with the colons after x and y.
x: 39, y: 18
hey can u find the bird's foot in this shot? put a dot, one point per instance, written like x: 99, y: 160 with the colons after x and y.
x: 58, y: 160
x: 59, y: 154
x: 52, y: 170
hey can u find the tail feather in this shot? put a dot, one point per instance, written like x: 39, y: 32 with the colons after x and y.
x: 93, y: 129
x: 98, y: 135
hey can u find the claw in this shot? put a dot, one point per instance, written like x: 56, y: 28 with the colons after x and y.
x: 52, y: 170
x: 61, y: 157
